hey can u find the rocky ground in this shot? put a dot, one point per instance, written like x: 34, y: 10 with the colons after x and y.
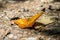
x: 46, y: 28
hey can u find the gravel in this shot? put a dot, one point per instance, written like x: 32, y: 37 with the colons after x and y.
x: 44, y: 31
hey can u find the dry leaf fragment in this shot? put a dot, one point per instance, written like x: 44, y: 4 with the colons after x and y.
x: 46, y: 20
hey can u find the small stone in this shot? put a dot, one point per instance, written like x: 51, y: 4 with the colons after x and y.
x: 47, y: 1
x: 11, y: 1
x: 31, y: 38
x: 15, y: 37
x: 2, y: 14
x: 10, y: 35
x: 27, y: 1
x: 19, y: 35
x: 23, y: 38
x: 5, y: 18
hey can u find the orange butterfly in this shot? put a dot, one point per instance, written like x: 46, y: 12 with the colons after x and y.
x: 26, y: 23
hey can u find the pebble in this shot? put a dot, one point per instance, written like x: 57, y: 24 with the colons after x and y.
x: 1, y: 14
x: 47, y: 1
x: 31, y: 38
x: 10, y: 35
x: 11, y: 1
x: 19, y: 35
x: 23, y: 38
x: 15, y: 37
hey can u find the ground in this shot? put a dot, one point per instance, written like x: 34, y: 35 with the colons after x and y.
x: 25, y: 9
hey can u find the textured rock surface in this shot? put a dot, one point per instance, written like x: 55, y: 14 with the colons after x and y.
x: 41, y: 31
